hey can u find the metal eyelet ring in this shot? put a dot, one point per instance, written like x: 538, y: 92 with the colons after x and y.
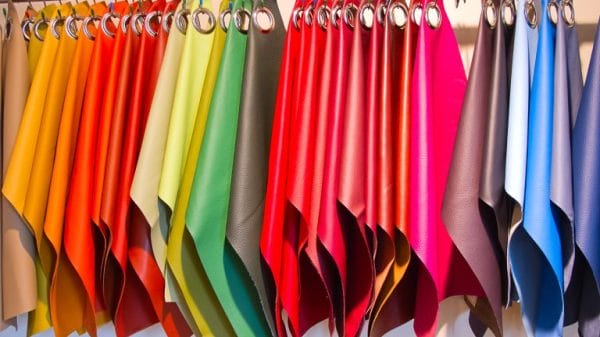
x: 147, y: 23
x: 568, y: 18
x: 104, y: 22
x: 336, y: 15
x: 350, y: 13
x: 36, y: 28
x: 223, y: 19
x: 71, y: 27
x: 531, y: 14
x: 416, y: 13
x: 553, y: 11
x: 54, y: 23
x: 510, y: 6
x: 381, y: 13
x: 85, y: 26
x: 167, y: 21
x: 124, y: 21
x: 198, y: 24
x: 26, y: 27
x: 392, y: 14
x: 297, y: 16
x: 309, y: 15
x: 323, y: 16
x: 270, y: 17
x: 181, y: 20
x: 367, y: 21
x: 433, y: 15
x: 137, y: 23
x: 490, y: 13
x: 242, y: 24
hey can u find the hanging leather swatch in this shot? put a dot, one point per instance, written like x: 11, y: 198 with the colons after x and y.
x: 83, y: 241
x: 586, y: 166
x: 144, y: 188
x: 186, y: 275
x: 378, y: 172
x: 206, y: 215
x: 462, y: 212
x: 524, y: 50
x: 65, y: 301
x: 568, y: 85
x: 394, y: 305
x: 20, y: 166
x: 19, y: 292
x: 249, y: 176
x: 277, y: 243
x: 149, y: 270
x: 536, y: 254
x: 438, y: 89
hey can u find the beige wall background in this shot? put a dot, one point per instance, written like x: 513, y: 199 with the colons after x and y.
x: 453, y: 312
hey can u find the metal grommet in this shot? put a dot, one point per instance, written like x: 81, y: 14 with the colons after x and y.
x: 71, y: 27
x: 198, y: 24
x: 510, y: 6
x: 381, y: 13
x: 147, y: 23
x: 136, y: 26
x: 270, y: 17
x: 490, y: 13
x: 568, y: 18
x: 223, y: 19
x: 367, y: 20
x: 242, y: 24
x: 36, y: 28
x: 181, y: 20
x: 54, y: 23
x: 85, y: 26
x: 309, y: 14
x: 124, y: 21
x: 167, y: 20
x: 400, y: 20
x: 350, y: 13
x: 104, y: 22
x: 297, y: 16
x: 323, y: 16
x: 433, y: 15
x: 416, y: 13
x: 531, y: 14
x: 552, y: 12
x: 336, y: 15
x: 26, y: 27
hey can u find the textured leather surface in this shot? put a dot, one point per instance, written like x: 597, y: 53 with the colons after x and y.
x: 20, y: 166
x: 536, y: 254
x: 438, y: 89
x: 206, y: 215
x: 473, y: 149
x: 586, y: 165
x: 277, y: 244
x: 19, y: 292
x: 396, y: 302
x: 568, y: 85
x: 81, y: 249
x: 249, y: 177
x: 523, y: 57
x: 186, y: 273
x: 144, y: 188
x: 65, y: 303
